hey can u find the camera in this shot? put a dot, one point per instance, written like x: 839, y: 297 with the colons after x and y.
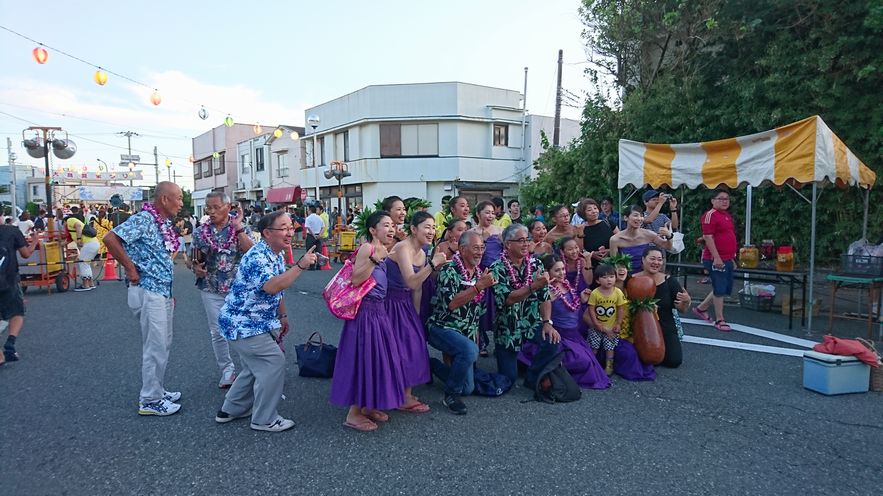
x: 321, y: 259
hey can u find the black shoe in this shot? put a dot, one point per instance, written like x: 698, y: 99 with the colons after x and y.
x: 483, y: 351
x: 11, y: 355
x: 455, y: 404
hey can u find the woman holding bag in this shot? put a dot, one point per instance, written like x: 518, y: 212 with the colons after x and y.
x: 368, y: 375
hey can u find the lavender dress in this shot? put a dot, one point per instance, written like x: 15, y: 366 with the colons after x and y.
x: 636, y: 252
x: 578, y: 357
x: 407, y: 326
x: 368, y: 372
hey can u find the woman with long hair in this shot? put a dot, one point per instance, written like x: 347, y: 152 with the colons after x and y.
x: 368, y: 375
x: 538, y: 243
x: 395, y: 207
x: 485, y: 215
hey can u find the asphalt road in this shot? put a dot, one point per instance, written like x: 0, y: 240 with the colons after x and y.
x: 726, y: 422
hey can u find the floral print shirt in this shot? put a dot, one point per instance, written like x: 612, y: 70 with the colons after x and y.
x: 463, y: 319
x: 519, y: 322
x: 145, y: 246
x: 248, y: 310
x: 220, y: 266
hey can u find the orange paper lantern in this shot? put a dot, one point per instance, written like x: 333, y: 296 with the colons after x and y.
x: 40, y: 55
x: 155, y: 98
x: 100, y: 77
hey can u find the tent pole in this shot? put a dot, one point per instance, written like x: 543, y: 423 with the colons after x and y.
x: 865, y: 223
x: 748, y: 216
x: 812, y: 262
x: 681, y: 220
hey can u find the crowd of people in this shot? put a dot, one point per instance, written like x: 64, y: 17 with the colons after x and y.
x: 465, y: 282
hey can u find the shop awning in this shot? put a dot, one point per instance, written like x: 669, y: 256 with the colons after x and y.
x: 284, y: 195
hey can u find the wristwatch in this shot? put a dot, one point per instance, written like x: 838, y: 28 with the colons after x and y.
x: 547, y: 321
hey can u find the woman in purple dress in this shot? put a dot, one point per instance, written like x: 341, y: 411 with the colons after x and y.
x: 577, y: 271
x: 634, y: 239
x: 493, y: 249
x: 368, y: 375
x: 566, y: 314
x: 407, y: 268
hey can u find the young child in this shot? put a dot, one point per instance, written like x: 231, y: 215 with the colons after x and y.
x: 607, y: 308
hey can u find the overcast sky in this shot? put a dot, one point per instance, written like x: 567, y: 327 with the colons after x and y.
x: 261, y: 62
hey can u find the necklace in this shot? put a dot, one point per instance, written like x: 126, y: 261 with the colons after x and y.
x: 528, y: 277
x: 474, y: 279
x: 573, y: 302
x: 170, y: 239
x: 205, y: 233
x: 579, y: 271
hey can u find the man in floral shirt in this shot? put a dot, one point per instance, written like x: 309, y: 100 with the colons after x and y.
x: 143, y: 245
x: 453, y: 325
x: 219, y: 244
x: 524, y: 307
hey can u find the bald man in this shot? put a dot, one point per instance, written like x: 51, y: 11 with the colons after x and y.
x: 142, y: 244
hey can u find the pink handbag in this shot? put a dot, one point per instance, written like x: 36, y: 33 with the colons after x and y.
x: 343, y: 299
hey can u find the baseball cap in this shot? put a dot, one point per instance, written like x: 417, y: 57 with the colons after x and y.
x: 649, y: 195
x: 540, y: 208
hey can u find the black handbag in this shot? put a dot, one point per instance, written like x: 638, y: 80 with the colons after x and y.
x: 315, y: 358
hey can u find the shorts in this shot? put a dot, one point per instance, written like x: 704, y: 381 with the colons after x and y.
x: 721, y: 280
x: 12, y: 302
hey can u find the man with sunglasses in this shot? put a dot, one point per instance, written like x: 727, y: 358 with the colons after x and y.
x: 218, y: 246
x: 523, y: 306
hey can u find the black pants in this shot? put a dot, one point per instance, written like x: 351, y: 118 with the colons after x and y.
x: 310, y: 242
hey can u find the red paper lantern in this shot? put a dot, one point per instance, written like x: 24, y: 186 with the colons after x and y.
x: 40, y: 55
x: 155, y: 98
x: 641, y: 287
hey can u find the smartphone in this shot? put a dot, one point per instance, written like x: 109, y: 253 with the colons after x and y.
x: 321, y: 259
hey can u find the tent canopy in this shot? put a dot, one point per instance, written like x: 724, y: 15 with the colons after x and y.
x: 805, y: 151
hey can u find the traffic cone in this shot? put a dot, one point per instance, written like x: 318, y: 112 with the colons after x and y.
x: 327, y: 265
x: 110, y: 269
x: 289, y: 258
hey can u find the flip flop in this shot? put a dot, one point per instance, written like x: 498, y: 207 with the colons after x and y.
x: 377, y: 416
x: 364, y: 425
x: 702, y: 314
x: 722, y: 326
x: 415, y: 408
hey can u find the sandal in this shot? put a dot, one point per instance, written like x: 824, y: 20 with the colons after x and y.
x: 376, y: 415
x: 702, y: 314
x: 415, y: 408
x: 363, y: 425
x: 722, y: 326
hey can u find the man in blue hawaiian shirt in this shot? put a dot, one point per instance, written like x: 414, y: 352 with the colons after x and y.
x: 219, y: 245
x: 143, y: 245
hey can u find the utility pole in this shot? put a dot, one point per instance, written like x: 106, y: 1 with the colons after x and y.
x: 556, y: 136
x: 12, y: 168
x: 524, y: 159
x: 156, y: 166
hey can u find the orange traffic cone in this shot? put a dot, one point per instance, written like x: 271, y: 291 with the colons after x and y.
x: 110, y: 269
x: 327, y: 265
x: 289, y: 257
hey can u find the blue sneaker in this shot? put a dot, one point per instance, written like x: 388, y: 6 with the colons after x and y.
x: 160, y: 408
x: 172, y: 396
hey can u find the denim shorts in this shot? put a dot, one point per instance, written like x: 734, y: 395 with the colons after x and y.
x: 721, y: 280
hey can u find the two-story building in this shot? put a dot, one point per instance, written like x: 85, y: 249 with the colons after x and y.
x: 216, y: 162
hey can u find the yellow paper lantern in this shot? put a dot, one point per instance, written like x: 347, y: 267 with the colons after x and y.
x: 277, y: 133
x: 155, y: 98
x: 100, y: 77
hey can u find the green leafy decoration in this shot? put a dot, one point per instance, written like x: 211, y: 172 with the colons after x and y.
x: 637, y: 304
x: 620, y: 259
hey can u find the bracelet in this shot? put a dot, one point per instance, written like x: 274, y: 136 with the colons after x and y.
x: 298, y: 266
x: 373, y: 260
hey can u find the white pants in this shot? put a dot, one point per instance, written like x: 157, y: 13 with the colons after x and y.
x: 87, y: 254
x: 213, y: 303
x: 260, y: 382
x: 155, y: 313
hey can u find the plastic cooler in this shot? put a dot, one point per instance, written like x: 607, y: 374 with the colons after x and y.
x: 835, y: 374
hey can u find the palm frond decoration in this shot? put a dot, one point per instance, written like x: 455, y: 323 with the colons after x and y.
x: 620, y: 259
x: 378, y: 205
x: 360, y: 223
x: 416, y: 203
x: 648, y: 304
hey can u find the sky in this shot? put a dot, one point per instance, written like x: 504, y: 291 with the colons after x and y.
x: 260, y: 63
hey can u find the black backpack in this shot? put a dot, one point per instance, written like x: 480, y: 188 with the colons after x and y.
x: 555, y: 384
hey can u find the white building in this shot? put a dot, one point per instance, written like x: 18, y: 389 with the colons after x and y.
x: 253, y: 169
x: 423, y: 140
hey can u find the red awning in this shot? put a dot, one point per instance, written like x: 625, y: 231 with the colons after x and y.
x: 284, y: 195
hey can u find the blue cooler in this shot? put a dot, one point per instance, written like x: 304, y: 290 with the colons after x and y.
x: 835, y: 374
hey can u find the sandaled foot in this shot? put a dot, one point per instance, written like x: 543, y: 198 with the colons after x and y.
x: 702, y: 314
x: 376, y: 415
x: 416, y: 407
x: 722, y: 326
x: 361, y: 424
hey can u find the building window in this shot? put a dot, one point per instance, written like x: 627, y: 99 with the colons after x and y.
x: 221, y: 166
x: 322, y: 151
x: 408, y: 140
x: 342, y: 146
x: 282, y: 165
x: 259, y: 159
x: 35, y: 191
x: 501, y: 135
x: 207, y: 167
x: 197, y: 170
x: 243, y: 163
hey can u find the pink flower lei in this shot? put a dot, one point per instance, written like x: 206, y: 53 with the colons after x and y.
x: 474, y: 279
x: 579, y: 271
x: 573, y: 303
x: 528, y: 279
x: 205, y: 233
x: 170, y: 237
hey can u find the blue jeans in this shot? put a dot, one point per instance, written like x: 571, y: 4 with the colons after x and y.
x: 507, y: 360
x: 458, y: 377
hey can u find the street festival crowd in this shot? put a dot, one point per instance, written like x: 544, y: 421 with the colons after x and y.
x: 465, y: 281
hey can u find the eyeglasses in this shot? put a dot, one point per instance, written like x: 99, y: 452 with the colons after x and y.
x: 291, y: 229
x: 520, y: 240
x: 211, y: 208
x: 723, y: 199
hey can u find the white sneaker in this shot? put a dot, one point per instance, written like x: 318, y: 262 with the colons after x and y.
x: 223, y: 417
x: 278, y: 425
x: 227, y: 380
x: 172, y: 396
x: 160, y: 408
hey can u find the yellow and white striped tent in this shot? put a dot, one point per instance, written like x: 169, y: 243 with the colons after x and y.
x: 805, y: 151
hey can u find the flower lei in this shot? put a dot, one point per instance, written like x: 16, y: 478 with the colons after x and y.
x: 205, y: 233
x: 170, y: 238
x: 528, y: 277
x: 579, y: 271
x: 572, y: 304
x: 474, y: 279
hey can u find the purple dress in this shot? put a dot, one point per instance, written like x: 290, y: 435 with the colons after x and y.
x: 578, y: 357
x: 627, y: 364
x: 636, y: 252
x: 368, y: 372
x: 493, y: 250
x: 407, y: 326
x: 571, y: 276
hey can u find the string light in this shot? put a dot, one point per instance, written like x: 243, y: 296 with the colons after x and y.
x: 40, y: 55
